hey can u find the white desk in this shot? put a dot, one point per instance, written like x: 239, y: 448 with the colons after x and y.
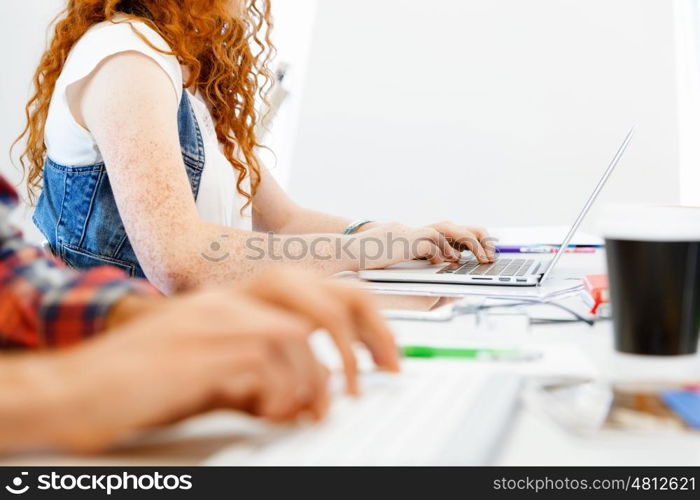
x: 572, y: 349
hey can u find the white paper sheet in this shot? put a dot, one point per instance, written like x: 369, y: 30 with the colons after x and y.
x: 541, y: 235
x: 552, y: 289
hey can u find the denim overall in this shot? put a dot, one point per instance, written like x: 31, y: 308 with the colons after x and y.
x: 77, y: 212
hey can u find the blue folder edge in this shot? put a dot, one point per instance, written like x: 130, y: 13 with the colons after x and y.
x: 686, y: 404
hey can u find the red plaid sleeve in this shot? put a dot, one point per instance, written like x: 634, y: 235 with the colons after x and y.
x: 45, y: 304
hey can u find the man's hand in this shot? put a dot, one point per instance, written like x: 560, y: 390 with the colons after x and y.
x: 346, y: 312
x: 211, y: 350
x: 244, y: 350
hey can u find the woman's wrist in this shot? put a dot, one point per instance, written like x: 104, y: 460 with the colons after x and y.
x: 356, y: 226
x: 337, y: 254
x: 368, y: 251
x: 367, y: 227
x: 352, y: 258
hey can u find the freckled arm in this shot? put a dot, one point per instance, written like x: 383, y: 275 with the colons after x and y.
x: 129, y: 106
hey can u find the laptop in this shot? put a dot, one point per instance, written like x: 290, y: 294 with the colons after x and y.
x: 522, y: 271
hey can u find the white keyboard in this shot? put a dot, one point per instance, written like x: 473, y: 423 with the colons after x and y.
x: 433, y: 413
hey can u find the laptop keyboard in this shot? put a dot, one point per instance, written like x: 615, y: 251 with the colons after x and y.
x: 502, y: 267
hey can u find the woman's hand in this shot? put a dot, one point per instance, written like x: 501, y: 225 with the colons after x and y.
x: 381, y: 245
x: 473, y: 238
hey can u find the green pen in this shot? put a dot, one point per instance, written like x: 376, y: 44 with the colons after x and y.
x: 419, y: 351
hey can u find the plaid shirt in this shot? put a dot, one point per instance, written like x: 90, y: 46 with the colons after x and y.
x: 45, y: 304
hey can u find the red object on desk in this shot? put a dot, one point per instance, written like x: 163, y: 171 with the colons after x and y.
x: 597, y: 286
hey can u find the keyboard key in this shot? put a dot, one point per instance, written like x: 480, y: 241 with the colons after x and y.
x: 526, y: 267
x: 513, y: 267
x: 481, y: 270
x: 497, y: 268
x: 467, y: 268
x: 451, y: 269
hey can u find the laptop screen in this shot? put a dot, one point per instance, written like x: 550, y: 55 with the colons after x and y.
x: 589, y: 203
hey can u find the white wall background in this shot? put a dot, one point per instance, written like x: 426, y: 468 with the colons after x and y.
x: 292, y: 36
x: 23, y: 37
x: 688, y: 71
x: 501, y: 112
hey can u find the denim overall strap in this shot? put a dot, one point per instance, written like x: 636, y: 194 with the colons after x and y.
x: 77, y: 212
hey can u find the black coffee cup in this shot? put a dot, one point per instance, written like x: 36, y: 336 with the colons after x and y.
x: 653, y: 256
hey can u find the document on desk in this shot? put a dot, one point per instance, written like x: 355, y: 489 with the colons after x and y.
x: 541, y: 235
x: 550, y: 290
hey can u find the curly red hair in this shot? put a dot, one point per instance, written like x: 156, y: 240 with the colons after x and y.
x: 225, y: 44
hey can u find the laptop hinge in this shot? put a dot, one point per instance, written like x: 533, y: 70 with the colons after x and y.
x: 537, y: 268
